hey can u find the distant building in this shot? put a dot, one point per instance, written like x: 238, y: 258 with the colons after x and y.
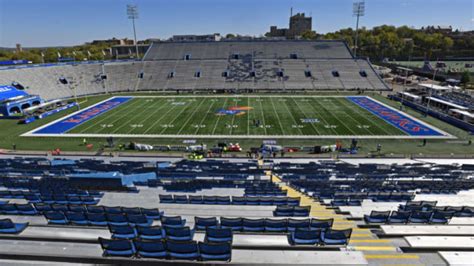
x: 195, y: 38
x: 19, y: 48
x: 299, y: 24
x: 127, y: 51
x: 438, y: 29
x: 113, y: 41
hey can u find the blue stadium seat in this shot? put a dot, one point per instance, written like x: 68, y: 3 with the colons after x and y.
x: 117, y: 247
x: 55, y: 217
x: 122, y: 232
x: 196, y: 199
x: 294, y: 224
x: 8, y: 209
x: 152, y: 213
x: 283, y: 211
x: 77, y: 208
x: 26, y: 209
x: 179, y: 234
x: 172, y: 221
x: 293, y: 201
x: 41, y: 207
x: 300, y: 211
x: 209, y: 200
x: 150, y: 232
x: 131, y: 211
x: 305, y: 237
x: 151, y: 249
x: 215, y: 251
x: 180, y: 199
x: 223, y: 200
x: 336, y: 237
x: 95, y: 209
x: 377, y: 217
x: 236, y: 224
x: 321, y: 224
x: 166, y: 198
x: 97, y: 219
x: 9, y: 227
x: 253, y: 225
x: 60, y: 207
x: 218, y: 235
x: 420, y: 217
x: 201, y: 223
x: 252, y: 200
x: 276, y: 225
x: 238, y: 200
x: 113, y: 210
x: 441, y: 217
x: 182, y: 250
x: 138, y: 219
x: 116, y: 219
x: 76, y: 218
x: 399, y: 217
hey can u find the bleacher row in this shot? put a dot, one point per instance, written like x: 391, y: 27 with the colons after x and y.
x: 180, y: 216
x: 253, y: 65
x: 227, y: 200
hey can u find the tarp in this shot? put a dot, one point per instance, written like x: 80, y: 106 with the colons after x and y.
x: 8, y: 92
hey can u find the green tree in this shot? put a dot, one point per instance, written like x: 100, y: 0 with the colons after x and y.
x: 309, y: 35
x: 465, y: 78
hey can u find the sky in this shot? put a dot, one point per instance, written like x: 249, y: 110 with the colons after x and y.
x: 39, y: 23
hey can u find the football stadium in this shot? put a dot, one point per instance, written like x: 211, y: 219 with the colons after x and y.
x: 291, y: 148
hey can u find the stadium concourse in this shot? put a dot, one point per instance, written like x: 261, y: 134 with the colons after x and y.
x: 133, y: 210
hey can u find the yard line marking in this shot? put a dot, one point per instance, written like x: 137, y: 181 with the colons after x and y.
x: 176, y: 117
x: 340, y: 122
x: 248, y: 116
x: 152, y: 113
x: 263, y: 115
x: 291, y: 114
x: 161, y: 118
x: 278, y: 117
x: 303, y: 112
x: 219, y: 117
x: 360, y: 114
x: 104, y: 118
x: 204, y: 117
x: 345, y: 107
x: 321, y: 116
x: 131, y: 118
x: 189, y: 117
x: 233, y: 119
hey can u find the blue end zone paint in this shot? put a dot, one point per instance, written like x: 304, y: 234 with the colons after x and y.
x: 404, y: 123
x: 70, y: 122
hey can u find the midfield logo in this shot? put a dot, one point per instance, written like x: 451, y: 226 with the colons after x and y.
x: 235, y: 110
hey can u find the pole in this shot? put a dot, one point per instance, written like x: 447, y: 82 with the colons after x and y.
x: 357, y: 36
x: 431, y: 92
x: 135, y: 37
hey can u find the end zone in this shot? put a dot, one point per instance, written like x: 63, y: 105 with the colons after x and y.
x: 62, y: 125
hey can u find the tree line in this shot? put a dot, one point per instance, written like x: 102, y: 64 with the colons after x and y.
x: 401, y: 43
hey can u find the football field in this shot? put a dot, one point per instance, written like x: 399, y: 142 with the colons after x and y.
x: 238, y: 117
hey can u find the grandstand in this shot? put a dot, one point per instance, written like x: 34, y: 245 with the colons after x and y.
x: 226, y: 65
x: 129, y: 211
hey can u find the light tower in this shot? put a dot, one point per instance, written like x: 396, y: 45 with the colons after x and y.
x: 358, y: 11
x: 132, y: 13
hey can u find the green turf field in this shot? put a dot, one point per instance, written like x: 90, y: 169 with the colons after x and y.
x: 258, y: 116
x: 455, y: 66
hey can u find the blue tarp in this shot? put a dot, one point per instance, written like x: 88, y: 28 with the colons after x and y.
x: 8, y: 92
x: 127, y: 180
